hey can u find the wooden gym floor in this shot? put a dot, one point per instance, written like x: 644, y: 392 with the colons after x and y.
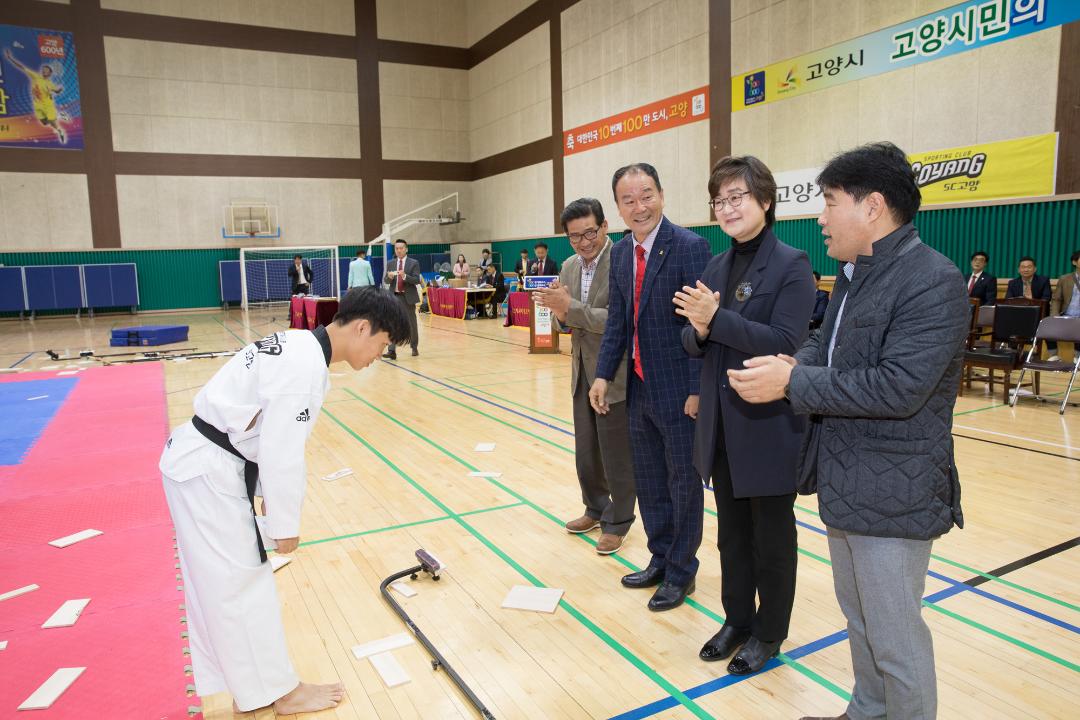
x: 1002, y: 599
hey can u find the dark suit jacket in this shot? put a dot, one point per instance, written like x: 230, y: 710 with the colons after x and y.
x: 985, y: 288
x: 521, y: 267
x: 412, y: 278
x: 295, y: 276
x: 548, y: 267
x: 821, y: 304
x: 762, y: 440
x: 678, y: 258
x: 1040, y: 288
x: 498, y: 282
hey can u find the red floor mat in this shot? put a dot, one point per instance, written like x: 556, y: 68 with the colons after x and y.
x: 94, y: 466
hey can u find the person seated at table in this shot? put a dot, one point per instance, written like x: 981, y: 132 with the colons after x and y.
x: 494, y: 279
x: 461, y: 268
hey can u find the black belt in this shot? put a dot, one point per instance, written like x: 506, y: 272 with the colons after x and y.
x: 251, y: 470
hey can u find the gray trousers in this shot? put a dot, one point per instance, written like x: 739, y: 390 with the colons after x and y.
x: 879, y: 585
x: 604, y: 466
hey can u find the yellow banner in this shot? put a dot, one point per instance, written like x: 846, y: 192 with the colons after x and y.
x: 1025, y: 167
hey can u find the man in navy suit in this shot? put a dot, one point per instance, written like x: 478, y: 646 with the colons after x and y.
x: 648, y: 266
x: 981, y: 284
x: 1028, y: 284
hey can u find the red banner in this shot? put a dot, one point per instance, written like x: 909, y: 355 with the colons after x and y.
x: 682, y: 109
x: 319, y: 311
x: 448, y: 302
x: 519, y: 309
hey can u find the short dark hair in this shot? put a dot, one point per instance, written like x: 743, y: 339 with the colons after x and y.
x: 379, y: 307
x: 977, y: 253
x: 876, y: 167
x: 582, y: 208
x: 524, y: 251
x: 634, y: 169
x: 485, y: 251
x: 1075, y: 256
x: 817, y: 275
x: 399, y: 240
x: 361, y: 252
x: 540, y: 245
x: 757, y: 176
x: 1028, y: 258
x: 297, y: 257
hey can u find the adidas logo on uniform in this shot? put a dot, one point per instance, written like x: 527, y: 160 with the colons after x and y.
x: 304, y: 416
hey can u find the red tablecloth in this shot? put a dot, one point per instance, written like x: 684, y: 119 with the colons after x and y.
x: 448, y: 302
x: 518, y: 309
x: 309, y: 313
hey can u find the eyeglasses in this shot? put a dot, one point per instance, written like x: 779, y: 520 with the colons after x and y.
x: 587, y: 235
x: 734, y: 200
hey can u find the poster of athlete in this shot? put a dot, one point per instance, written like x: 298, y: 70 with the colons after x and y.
x: 39, y: 89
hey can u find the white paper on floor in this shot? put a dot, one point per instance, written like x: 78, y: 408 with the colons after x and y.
x: 338, y: 474
x: 391, y: 671
x: 536, y: 599
x: 68, y: 372
x: 77, y: 537
x: 402, y: 587
x: 20, y: 591
x: 385, y: 644
x: 279, y: 561
x: 38, y: 397
x: 67, y: 614
x: 52, y: 688
x: 484, y: 447
x: 486, y: 474
x: 49, y: 367
x: 3, y: 644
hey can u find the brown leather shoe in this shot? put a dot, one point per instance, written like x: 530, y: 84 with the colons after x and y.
x: 582, y: 525
x: 608, y: 544
x: 842, y: 716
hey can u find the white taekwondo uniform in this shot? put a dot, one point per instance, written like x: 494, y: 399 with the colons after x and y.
x: 266, y: 398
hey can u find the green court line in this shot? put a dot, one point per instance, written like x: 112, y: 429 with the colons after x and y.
x: 242, y: 341
x: 988, y: 576
x: 795, y: 664
x: 478, y: 389
x: 611, y: 642
x: 492, y: 417
x: 998, y: 634
x: 991, y: 407
x: 406, y: 525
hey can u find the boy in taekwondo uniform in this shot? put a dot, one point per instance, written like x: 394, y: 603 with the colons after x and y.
x: 252, y: 420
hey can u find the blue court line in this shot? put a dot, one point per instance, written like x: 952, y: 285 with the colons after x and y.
x: 564, y: 431
x: 964, y: 587
x: 24, y: 359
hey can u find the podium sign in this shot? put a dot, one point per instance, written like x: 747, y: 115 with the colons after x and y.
x: 543, y: 331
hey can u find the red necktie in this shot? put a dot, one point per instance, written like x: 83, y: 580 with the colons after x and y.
x: 639, y: 279
x: 400, y: 280
x: 971, y: 284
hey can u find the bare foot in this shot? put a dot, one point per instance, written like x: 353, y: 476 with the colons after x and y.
x: 307, y: 698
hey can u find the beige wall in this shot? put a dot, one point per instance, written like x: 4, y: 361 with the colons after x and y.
x: 170, y: 97
x: 435, y: 22
x: 680, y: 156
x: 44, y: 211
x: 404, y: 196
x: 484, y: 16
x: 513, y: 204
x: 328, y: 16
x: 993, y: 93
x: 425, y: 112
x: 187, y: 212
x: 510, y: 96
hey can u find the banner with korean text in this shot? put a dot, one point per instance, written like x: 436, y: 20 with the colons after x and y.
x: 1020, y: 168
x: 39, y: 89
x: 962, y: 27
x: 682, y: 109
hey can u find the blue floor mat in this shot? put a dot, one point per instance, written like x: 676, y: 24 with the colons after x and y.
x: 23, y: 419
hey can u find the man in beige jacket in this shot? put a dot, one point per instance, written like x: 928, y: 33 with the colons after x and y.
x: 1065, y: 300
x: 579, y: 299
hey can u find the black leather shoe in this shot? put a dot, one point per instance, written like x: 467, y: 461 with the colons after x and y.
x: 723, y: 643
x: 390, y: 356
x: 415, y: 352
x: 643, y: 578
x: 753, y: 656
x: 669, y: 596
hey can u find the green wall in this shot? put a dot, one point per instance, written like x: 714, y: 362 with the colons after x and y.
x: 1048, y: 231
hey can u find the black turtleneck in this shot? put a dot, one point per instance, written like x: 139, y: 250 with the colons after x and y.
x: 744, y: 255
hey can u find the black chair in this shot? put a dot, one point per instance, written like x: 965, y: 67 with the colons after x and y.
x: 1013, y: 329
x: 1057, y: 329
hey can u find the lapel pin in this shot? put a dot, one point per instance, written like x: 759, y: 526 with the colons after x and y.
x: 743, y: 291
